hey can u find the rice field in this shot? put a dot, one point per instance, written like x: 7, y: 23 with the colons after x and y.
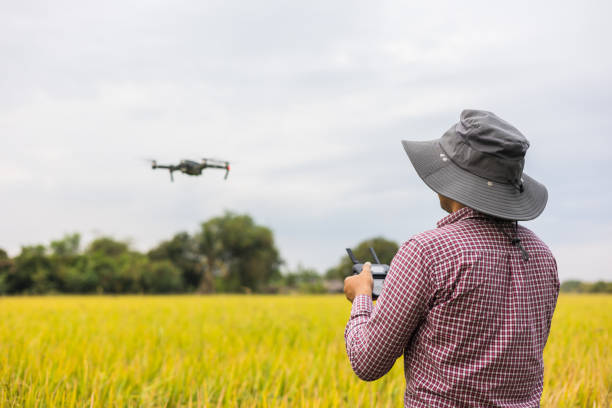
x: 283, y: 351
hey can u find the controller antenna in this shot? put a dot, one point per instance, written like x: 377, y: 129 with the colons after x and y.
x: 374, y: 255
x: 352, y: 256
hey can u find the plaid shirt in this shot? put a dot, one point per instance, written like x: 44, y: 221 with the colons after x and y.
x: 470, y: 315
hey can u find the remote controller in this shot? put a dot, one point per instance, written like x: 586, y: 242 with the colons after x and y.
x: 379, y: 271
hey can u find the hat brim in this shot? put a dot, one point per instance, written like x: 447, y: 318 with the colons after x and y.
x: 488, y: 197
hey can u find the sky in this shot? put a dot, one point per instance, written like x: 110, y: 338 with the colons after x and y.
x: 309, y: 101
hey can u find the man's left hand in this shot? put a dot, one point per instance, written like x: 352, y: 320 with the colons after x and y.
x: 359, y: 284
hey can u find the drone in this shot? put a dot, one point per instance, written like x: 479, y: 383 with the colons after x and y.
x: 193, y: 168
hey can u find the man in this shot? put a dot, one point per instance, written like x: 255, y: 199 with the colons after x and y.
x: 468, y: 304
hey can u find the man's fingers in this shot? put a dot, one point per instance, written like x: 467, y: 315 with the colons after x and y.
x: 359, y: 284
x: 366, y: 272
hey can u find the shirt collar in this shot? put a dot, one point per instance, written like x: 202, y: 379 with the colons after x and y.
x: 464, y: 213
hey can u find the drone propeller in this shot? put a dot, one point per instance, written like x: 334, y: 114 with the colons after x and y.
x: 218, y: 164
x: 153, y: 162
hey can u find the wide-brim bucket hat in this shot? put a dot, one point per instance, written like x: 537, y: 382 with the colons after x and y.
x: 479, y: 163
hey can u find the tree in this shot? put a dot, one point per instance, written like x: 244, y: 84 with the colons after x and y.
x: 6, y: 265
x: 239, y: 255
x: 305, y: 280
x: 115, y: 268
x: 108, y: 247
x: 182, y: 252
x: 162, y: 277
x: 67, y: 246
x: 571, y: 286
x: 80, y: 277
x: 599, y: 287
x: 33, y: 272
x: 385, y: 249
x: 66, y: 259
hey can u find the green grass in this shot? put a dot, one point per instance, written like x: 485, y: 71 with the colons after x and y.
x: 240, y: 350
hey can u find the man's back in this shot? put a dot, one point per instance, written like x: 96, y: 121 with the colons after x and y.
x: 483, y: 337
x: 475, y: 315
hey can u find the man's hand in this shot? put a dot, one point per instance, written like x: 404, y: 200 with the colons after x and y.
x: 359, y: 284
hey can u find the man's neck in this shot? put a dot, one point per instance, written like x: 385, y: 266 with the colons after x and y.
x: 449, y: 205
x: 455, y: 206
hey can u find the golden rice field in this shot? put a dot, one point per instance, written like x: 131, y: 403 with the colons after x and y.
x: 263, y: 351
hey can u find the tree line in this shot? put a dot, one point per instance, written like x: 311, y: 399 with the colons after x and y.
x: 229, y: 253
x: 576, y: 286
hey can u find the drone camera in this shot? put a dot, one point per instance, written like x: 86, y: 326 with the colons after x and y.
x: 379, y: 271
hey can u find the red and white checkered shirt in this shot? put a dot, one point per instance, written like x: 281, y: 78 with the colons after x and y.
x: 470, y: 315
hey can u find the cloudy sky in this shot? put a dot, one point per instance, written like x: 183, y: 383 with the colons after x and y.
x: 309, y: 102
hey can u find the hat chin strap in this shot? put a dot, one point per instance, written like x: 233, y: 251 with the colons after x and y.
x: 515, y: 241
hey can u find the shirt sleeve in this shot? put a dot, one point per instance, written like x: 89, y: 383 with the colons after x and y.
x: 376, y: 336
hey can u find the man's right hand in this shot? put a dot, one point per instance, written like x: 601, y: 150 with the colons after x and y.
x: 361, y: 284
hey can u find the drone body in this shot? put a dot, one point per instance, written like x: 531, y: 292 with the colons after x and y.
x: 193, y: 168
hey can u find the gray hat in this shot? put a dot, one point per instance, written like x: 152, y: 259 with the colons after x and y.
x: 479, y: 163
